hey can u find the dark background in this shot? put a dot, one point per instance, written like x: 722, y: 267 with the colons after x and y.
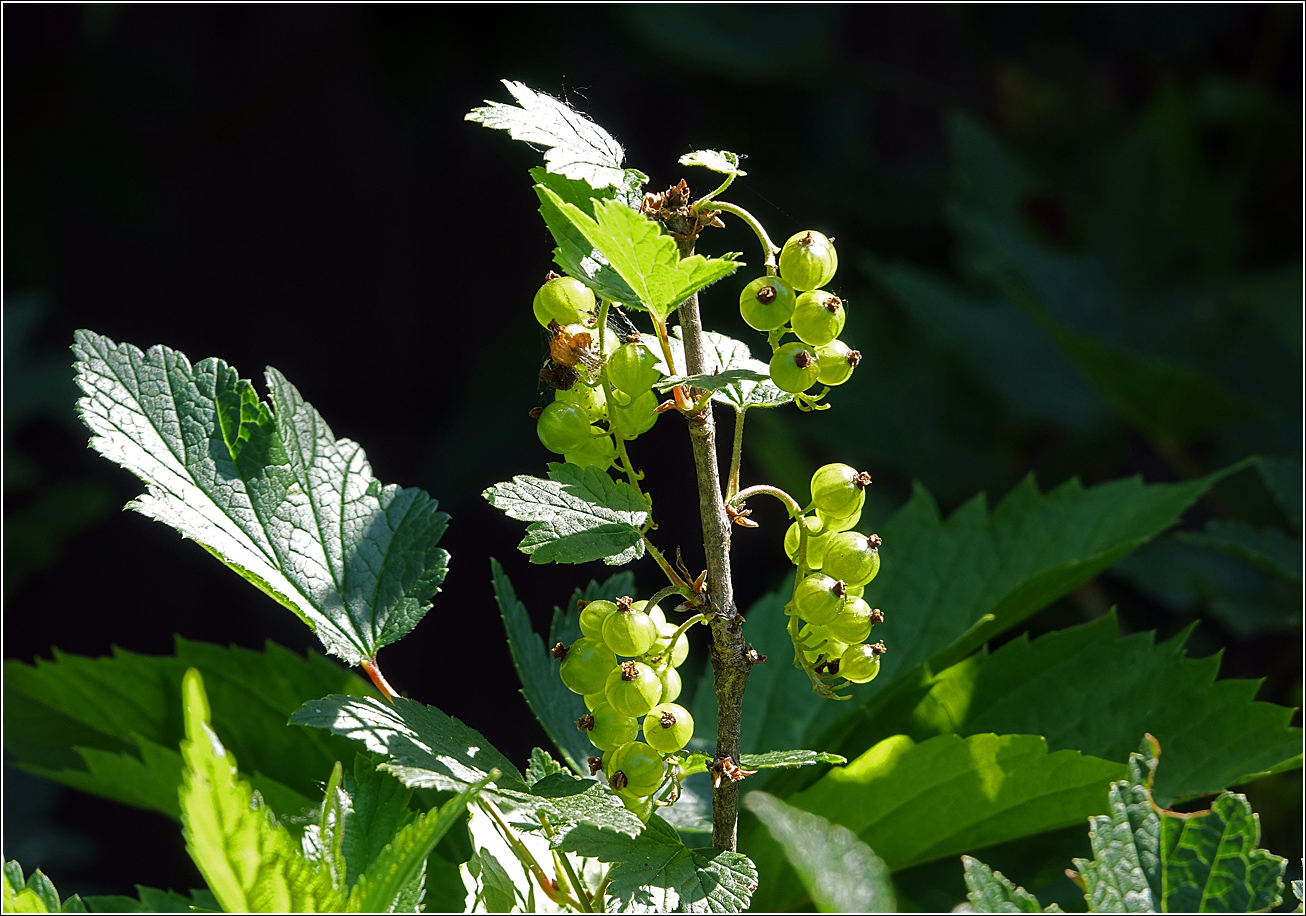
x: 296, y: 186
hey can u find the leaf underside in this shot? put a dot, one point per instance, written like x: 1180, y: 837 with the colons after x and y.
x: 267, y: 489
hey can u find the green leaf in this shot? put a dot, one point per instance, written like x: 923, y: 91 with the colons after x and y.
x: 913, y: 803
x: 941, y: 578
x: 541, y: 765
x: 577, y: 515
x: 425, y: 747
x: 748, y: 380
x: 496, y: 892
x: 1268, y: 548
x: 570, y: 801
x: 1148, y: 859
x: 840, y: 873
x: 722, y: 161
x: 401, y: 862
x: 35, y: 895
x: 150, y: 900
x: 1283, y: 478
x: 1087, y: 689
x: 267, y: 489
x: 378, y: 809
x: 655, y: 872
x: 773, y: 760
x: 112, y: 725
x: 574, y: 253
x: 249, y: 861
x: 640, y: 252
x: 556, y: 707
x: 1160, y: 398
x: 990, y: 892
x: 715, y: 381
x: 574, y: 145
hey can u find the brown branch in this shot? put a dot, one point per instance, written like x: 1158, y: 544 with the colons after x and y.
x: 730, y: 664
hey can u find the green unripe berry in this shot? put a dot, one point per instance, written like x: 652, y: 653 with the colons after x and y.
x: 808, y: 260
x: 671, y: 683
x: 592, y: 616
x: 594, y: 700
x: 818, y: 318
x: 565, y: 300
x: 681, y: 651
x: 628, y: 631
x: 588, y: 398
x: 598, y: 451
x: 819, y: 598
x: 632, y: 368
x: 587, y: 665
x: 837, y: 361
x: 640, y: 766
x: 637, y: 417
x: 860, y: 664
x: 767, y: 303
x: 608, y: 729
x: 839, y: 490
x: 815, y: 542
x: 668, y: 727
x: 853, y: 622
x: 655, y: 615
x: 563, y: 427
x: 633, y: 688
x: 794, y: 367
x: 832, y: 524
x: 852, y: 557
x: 824, y: 647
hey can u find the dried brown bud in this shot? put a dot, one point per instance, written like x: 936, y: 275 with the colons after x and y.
x: 863, y: 479
x: 803, y: 359
x: 534, y: 412
x: 753, y: 657
x: 879, y: 648
x: 668, y: 719
x: 877, y: 616
x: 874, y: 541
x: 585, y: 723
x: 559, y: 651
x: 581, y: 604
x: 552, y: 275
x: 624, y: 604
x: 618, y: 780
x: 766, y: 295
x: 854, y: 357
x: 832, y: 305
x: 629, y: 671
x: 595, y: 764
x: 839, y: 589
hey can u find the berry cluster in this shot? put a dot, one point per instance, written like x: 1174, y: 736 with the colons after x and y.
x: 626, y: 406
x: 835, y: 564
x: 793, y: 302
x: 625, y: 667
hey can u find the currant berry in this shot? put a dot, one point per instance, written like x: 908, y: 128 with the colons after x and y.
x: 794, y: 367
x: 589, y: 398
x: 632, y: 368
x: 808, y: 260
x: 633, y: 688
x: 853, y: 622
x: 656, y: 615
x: 678, y: 655
x: 594, y: 700
x: 592, y: 616
x: 563, y: 427
x: 837, y: 360
x: 637, y: 417
x: 767, y: 303
x: 819, y: 598
x: 860, y: 664
x: 832, y: 524
x: 597, y: 451
x: 565, y: 300
x: 839, y: 490
x: 818, y: 318
x: 668, y: 727
x: 640, y: 766
x: 815, y: 542
x: 628, y: 631
x: 609, y: 729
x: 823, y: 647
x: 587, y: 666
x: 852, y: 557
x: 671, y: 683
